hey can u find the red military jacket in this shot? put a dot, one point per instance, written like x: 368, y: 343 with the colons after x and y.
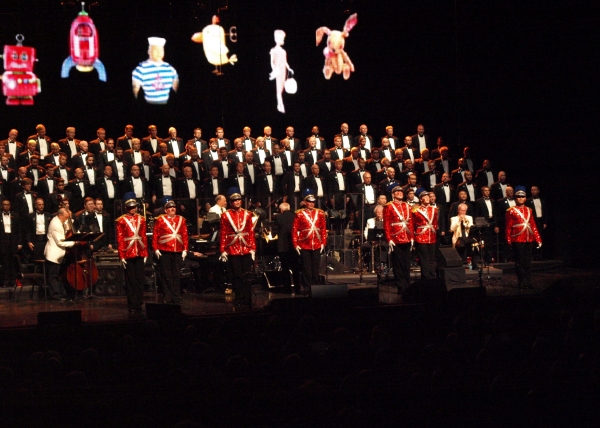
x: 131, y: 236
x: 397, y: 222
x: 520, y: 225
x: 170, y: 234
x: 237, y: 232
x: 309, y: 231
x: 425, y: 224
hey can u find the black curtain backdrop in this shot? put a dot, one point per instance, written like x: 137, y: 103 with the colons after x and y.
x: 513, y: 80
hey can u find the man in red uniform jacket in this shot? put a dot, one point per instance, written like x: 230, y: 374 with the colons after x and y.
x: 309, y: 236
x: 170, y: 243
x: 397, y: 225
x: 238, y: 247
x: 425, y: 224
x: 133, y: 251
x: 521, y: 232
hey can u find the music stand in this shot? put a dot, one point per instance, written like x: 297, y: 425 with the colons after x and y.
x: 375, y: 235
x: 87, y: 237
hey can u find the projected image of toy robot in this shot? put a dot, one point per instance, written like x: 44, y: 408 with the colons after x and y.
x: 336, y: 58
x: 19, y: 84
x: 84, y: 47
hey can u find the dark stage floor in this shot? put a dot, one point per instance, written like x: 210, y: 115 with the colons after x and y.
x: 499, y: 282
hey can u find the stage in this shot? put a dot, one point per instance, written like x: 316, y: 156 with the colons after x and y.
x: 356, y: 290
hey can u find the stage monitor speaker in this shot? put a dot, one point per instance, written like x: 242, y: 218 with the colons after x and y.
x: 329, y: 291
x: 162, y: 311
x: 59, y: 318
x: 334, y: 267
x: 454, y: 276
x: 110, y: 280
x: 448, y: 257
x: 430, y: 291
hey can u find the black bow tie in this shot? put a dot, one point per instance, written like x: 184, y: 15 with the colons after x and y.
x: 7, y: 214
x: 189, y: 179
x: 276, y: 157
x: 166, y: 176
x: 62, y: 167
x: 4, y: 169
x: 296, y: 174
x: 39, y: 212
x: 268, y: 173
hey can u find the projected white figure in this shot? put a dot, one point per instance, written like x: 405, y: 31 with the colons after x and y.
x: 212, y: 38
x: 155, y: 76
x: 336, y: 59
x: 280, y: 69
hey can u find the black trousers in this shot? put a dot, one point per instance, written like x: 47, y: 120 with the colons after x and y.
x: 401, y: 265
x: 239, y: 266
x: 170, y: 269
x: 289, y: 261
x: 134, y: 280
x: 426, y: 254
x: 311, y: 263
x: 54, y: 272
x: 522, y: 253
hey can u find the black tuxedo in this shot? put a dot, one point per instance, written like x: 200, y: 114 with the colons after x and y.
x: 19, y: 148
x: 360, y: 188
x: 543, y: 219
x: 128, y: 159
x: 157, y: 186
x: 77, y: 161
x: 38, y: 241
x: 225, y: 140
x: 284, y: 163
x: 405, y: 174
x: 246, y: 190
x: 41, y: 173
x: 158, y: 161
x: 124, y: 142
x: 457, y: 176
x: 416, y: 145
x: 440, y: 195
x: 294, y: 144
x: 102, y: 160
x: 357, y: 139
x: 481, y: 210
x: 43, y: 188
x: 171, y: 143
x: 269, y: 144
x: 333, y: 185
x: 406, y: 153
x: 190, y: 209
x: 4, y: 183
x: 78, y: 196
x: 262, y: 188
x: 20, y: 205
x: 50, y: 158
x: 14, y: 187
x: 311, y: 183
x: 200, y: 145
x: 426, y: 179
x: 149, y: 174
x: 9, y: 246
x: 373, y: 165
x: 496, y: 190
x: 95, y: 147
x: 234, y: 156
x: 335, y: 155
x: 395, y: 143
x: 463, y: 186
x: 65, y: 147
x: 348, y: 164
x: 440, y: 167
x: 366, y: 155
x: 199, y: 171
x: 45, y: 141
x: 208, y: 159
x: 126, y: 171
x: 320, y: 141
x: 147, y: 145
x: 183, y: 190
x: 323, y: 170
x: 288, y: 185
x: 386, y: 186
x: 128, y: 187
x: 256, y: 171
x: 482, y: 180
x: 102, y: 190
x: 23, y: 158
x: 355, y: 177
x: 230, y: 168
x: 91, y: 222
x: 69, y: 173
x: 351, y: 142
x: 311, y: 158
x: 502, y: 205
x: 208, y: 188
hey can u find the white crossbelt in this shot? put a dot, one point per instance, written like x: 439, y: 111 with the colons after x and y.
x: 403, y: 223
x: 313, y: 227
x: 428, y: 226
x: 239, y: 233
x: 175, y: 235
x: 526, y: 226
x: 136, y: 234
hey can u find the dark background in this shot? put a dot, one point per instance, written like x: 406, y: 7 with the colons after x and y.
x: 514, y: 80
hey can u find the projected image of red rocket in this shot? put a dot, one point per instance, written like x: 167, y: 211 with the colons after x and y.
x: 84, y: 47
x: 19, y: 84
x: 212, y: 38
x: 336, y: 58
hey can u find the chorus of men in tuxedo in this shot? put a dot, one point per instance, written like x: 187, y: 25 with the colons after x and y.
x: 262, y: 167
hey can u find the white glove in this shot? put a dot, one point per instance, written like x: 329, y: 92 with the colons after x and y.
x: 253, y: 254
x: 223, y: 257
x: 391, y: 246
x: 539, y: 246
x: 124, y: 263
x: 322, y: 248
x: 157, y: 253
x: 183, y: 254
x: 145, y: 258
x: 298, y: 249
x: 412, y: 244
